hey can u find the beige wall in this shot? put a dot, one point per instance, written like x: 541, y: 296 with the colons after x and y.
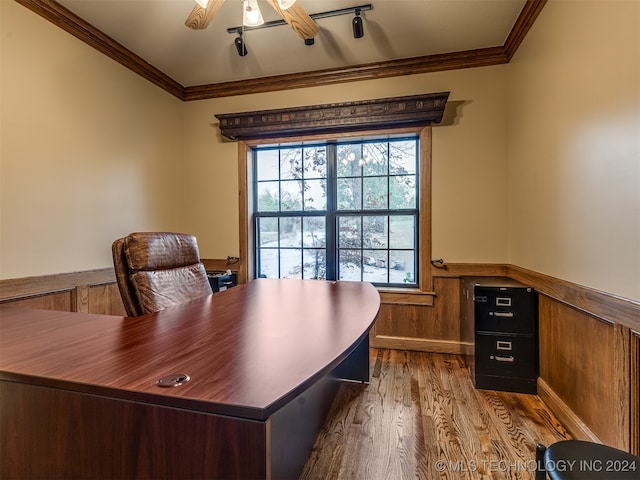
x: 537, y: 163
x: 89, y: 150
x: 574, y: 145
x: 469, y: 160
x: 115, y: 154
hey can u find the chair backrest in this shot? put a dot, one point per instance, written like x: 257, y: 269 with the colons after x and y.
x: 155, y: 270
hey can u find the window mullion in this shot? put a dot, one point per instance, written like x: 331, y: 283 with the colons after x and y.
x: 361, y: 246
x: 331, y: 248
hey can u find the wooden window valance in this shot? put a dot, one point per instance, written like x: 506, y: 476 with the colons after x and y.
x: 387, y: 113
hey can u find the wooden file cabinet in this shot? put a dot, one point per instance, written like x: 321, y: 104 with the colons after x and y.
x: 503, y: 313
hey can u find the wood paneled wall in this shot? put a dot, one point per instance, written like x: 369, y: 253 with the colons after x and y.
x: 589, y: 347
x: 92, y: 291
x: 589, y: 372
x: 434, y: 325
x: 635, y: 392
x: 577, y: 352
x: 589, y: 340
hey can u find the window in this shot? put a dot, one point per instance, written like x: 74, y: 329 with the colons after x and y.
x: 338, y: 210
x: 330, y: 125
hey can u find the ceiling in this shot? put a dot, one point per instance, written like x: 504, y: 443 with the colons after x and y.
x: 400, y: 37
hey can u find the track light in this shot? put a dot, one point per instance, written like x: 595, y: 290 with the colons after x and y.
x: 358, y: 26
x: 251, y: 10
x: 251, y: 14
x: 240, y: 46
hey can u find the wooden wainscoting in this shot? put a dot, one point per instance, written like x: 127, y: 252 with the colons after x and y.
x: 430, y: 326
x: 635, y: 392
x: 433, y: 326
x: 577, y: 364
x: 92, y: 291
x: 589, y: 346
x: 589, y: 372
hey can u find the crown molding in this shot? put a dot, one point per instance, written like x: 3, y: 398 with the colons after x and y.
x: 393, y: 68
x: 84, y: 31
x: 79, y: 28
x: 524, y: 22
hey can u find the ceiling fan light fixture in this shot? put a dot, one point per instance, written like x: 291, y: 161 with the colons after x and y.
x: 358, y: 25
x: 251, y: 14
x: 203, y: 3
x: 285, y: 4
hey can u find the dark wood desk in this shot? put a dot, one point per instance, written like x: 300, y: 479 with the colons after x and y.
x: 79, y: 397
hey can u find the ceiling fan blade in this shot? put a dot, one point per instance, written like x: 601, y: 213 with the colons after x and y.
x: 200, y: 18
x: 298, y: 19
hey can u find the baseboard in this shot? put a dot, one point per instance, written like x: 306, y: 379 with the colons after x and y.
x: 422, y: 345
x: 571, y: 422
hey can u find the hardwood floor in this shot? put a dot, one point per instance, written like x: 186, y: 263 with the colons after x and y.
x: 421, y: 418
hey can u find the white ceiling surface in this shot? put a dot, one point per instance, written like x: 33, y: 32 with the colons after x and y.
x: 394, y: 29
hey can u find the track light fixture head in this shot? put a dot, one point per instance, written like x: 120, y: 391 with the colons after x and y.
x: 240, y: 46
x: 251, y: 7
x: 358, y: 26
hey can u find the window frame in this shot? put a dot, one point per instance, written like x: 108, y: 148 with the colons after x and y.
x: 332, y: 213
x: 246, y: 267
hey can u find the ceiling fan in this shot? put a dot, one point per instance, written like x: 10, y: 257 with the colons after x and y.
x: 290, y: 11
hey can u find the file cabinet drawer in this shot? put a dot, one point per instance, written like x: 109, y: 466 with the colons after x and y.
x: 504, y: 309
x: 506, y: 355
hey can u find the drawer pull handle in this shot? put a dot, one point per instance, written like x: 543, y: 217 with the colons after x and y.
x: 504, y: 359
x: 503, y: 345
x: 503, y: 314
x: 503, y: 301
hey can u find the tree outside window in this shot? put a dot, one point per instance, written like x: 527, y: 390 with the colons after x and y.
x: 341, y: 210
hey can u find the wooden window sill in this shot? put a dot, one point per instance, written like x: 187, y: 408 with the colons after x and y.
x: 401, y: 296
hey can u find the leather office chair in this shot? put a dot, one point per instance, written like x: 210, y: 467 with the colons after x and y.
x: 581, y: 460
x: 155, y: 270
